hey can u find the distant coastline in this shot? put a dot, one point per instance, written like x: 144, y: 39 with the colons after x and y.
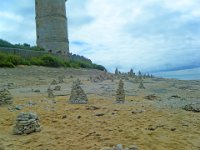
x: 186, y: 74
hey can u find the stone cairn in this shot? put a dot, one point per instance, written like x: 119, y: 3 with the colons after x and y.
x: 141, y: 85
x: 61, y: 79
x: 53, y: 82
x: 26, y: 123
x: 77, y: 96
x: 120, y: 94
x: 131, y: 73
x: 50, y: 93
x: 5, y: 97
x: 57, y: 88
x: 195, y: 107
x: 116, y: 72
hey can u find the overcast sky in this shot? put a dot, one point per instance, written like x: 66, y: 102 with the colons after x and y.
x: 149, y: 35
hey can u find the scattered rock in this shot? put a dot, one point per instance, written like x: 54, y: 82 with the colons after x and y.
x: 173, y: 129
x: 133, y: 147
x: 99, y: 115
x: 18, y: 107
x: 92, y: 108
x: 77, y: 96
x: 175, y: 96
x: 151, y: 97
x: 30, y: 103
x: 120, y: 147
x: 120, y: 94
x: 10, y: 85
x: 138, y: 111
x: 26, y: 123
x: 79, y: 117
x: 154, y: 127
x: 64, y: 117
x: 5, y: 97
x: 37, y: 91
x: 107, y: 148
x: 195, y: 107
x: 15, y: 108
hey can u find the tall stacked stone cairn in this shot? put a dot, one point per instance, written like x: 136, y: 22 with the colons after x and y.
x: 120, y: 94
x: 26, y: 123
x: 5, y: 97
x: 116, y: 72
x: 141, y: 85
x: 131, y: 73
x: 77, y: 96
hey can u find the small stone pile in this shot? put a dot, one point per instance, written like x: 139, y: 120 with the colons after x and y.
x: 50, y: 93
x: 5, y: 97
x: 141, y: 86
x: 57, y: 88
x: 53, y: 82
x: 120, y: 94
x: 77, y: 96
x: 120, y: 147
x: 26, y: 123
x: 61, y: 79
x: 78, y: 81
x: 195, y: 107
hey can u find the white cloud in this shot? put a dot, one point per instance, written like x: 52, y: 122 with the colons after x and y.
x: 149, y: 35
x: 11, y: 16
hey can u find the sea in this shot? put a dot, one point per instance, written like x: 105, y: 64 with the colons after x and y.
x: 186, y: 74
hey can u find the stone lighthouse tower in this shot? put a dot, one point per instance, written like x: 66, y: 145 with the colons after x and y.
x: 51, y: 25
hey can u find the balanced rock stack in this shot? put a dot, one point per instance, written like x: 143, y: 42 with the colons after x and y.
x: 57, y: 88
x: 50, y: 93
x: 141, y: 86
x: 26, y: 123
x: 5, y: 97
x: 53, y: 82
x: 77, y: 96
x: 61, y: 79
x: 120, y: 95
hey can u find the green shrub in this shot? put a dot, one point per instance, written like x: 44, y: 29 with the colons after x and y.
x: 6, y: 64
x: 51, y: 61
x: 12, y: 60
x: 4, y: 43
x: 99, y: 67
x: 36, y: 61
x: 25, y: 62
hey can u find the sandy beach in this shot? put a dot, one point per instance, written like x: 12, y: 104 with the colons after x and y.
x: 151, y: 118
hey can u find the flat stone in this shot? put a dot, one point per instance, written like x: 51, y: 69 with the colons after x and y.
x: 133, y: 147
x: 106, y: 148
